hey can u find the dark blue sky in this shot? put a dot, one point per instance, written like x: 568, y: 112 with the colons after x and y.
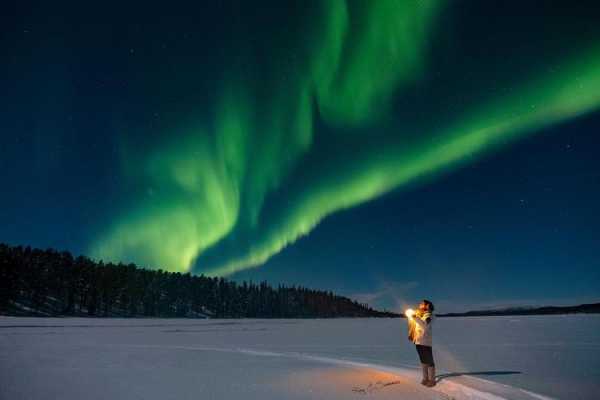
x: 309, y: 135
x: 520, y: 226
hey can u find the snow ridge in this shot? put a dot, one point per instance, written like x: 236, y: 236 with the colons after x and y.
x: 446, y: 388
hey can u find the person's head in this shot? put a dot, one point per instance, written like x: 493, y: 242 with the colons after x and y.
x: 426, y: 305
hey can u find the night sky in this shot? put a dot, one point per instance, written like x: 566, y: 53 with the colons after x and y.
x: 386, y: 150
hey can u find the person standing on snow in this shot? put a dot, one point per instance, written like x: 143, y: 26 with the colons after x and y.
x: 419, y: 332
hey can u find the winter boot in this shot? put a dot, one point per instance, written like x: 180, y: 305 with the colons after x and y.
x: 425, y: 379
x: 431, y: 376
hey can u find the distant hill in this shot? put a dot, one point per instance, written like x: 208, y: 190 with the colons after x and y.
x: 36, y: 282
x: 593, y: 308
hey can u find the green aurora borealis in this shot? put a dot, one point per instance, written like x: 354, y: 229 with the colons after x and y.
x: 354, y: 100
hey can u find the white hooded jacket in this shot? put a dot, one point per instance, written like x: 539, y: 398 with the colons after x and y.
x: 421, y: 329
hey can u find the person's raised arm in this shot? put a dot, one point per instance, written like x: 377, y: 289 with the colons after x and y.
x: 420, y: 322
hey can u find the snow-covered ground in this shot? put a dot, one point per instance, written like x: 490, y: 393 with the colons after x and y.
x: 487, y: 358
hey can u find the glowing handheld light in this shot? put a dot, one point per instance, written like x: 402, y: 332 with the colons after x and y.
x: 409, y: 313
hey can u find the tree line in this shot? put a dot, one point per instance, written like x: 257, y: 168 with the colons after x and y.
x: 54, y: 283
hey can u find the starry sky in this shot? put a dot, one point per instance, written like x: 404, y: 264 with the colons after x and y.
x: 389, y: 150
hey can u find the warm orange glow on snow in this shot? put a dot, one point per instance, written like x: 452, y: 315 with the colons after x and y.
x: 348, y: 382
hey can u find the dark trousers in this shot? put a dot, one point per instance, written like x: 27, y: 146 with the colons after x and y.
x: 425, y: 355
